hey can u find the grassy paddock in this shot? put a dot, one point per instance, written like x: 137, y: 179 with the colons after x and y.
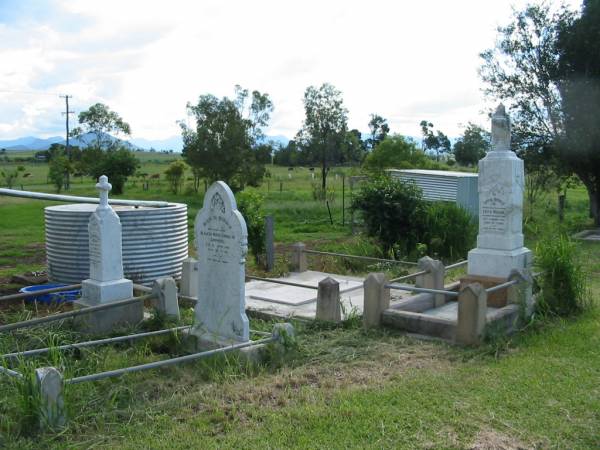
x: 342, y: 387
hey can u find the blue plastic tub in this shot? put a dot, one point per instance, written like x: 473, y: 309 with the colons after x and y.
x: 55, y: 297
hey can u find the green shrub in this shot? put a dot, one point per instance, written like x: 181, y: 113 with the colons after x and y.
x: 393, y: 211
x: 174, y: 175
x: 563, y: 282
x: 450, y: 231
x: 251, y: 205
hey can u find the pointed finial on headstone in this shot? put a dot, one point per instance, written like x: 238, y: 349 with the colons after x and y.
x: 500, y: 130
x: 104, y: 187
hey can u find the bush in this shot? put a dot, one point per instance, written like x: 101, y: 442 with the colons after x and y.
x: 396, y: 152
x: 393, y: 211
x: 450, y: 231
x: 116, y: 164
x: 251, y: 205
x: 563, y: 282
x: 174, y: 175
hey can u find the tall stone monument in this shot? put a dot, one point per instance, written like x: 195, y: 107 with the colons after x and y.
x: 221, y: 244
x: 107, y: 283
x: 501, y: 184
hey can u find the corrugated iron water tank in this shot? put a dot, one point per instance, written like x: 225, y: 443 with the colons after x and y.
x: 155, y: 241
x: 445, y: 186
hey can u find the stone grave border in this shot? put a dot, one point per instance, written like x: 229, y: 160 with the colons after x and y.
x: 469, y: 327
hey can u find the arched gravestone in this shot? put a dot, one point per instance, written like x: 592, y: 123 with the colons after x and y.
x: 221, y: 244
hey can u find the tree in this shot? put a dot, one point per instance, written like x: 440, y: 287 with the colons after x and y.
x: 104, y: 154
x: 59, y: 167
x: 521, y: 71
x: 324, y: 128
x: 395, y: 152
x: 353, y: 148
x: 545, y: 66
x: 223, y: 144
x: 174, y: 175
x: 10, y: 176
x: 578, y: 48
x: 379, y: 129
x: 437, y: 142
x: 472, y: 145
x: 103, y: 124
x: 117, y: 164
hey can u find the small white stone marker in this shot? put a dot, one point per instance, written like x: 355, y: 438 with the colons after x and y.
x: 501, y: 183
x: 221, y: 244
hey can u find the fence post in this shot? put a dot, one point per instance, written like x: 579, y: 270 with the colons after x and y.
x: 165, y: 301
x: 328, y: 301
x: 189, y: 277
x: 49, y: 386
x: 299, y: 262
x: 472, y: 308
x: 433, y: 279
x: 269, y: 244
x: 520, y: 293
x: 377, y: 299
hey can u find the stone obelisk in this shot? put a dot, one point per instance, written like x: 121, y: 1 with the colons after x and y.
x: 501, y: 184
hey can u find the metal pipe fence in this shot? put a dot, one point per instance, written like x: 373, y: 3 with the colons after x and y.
x: 501, y: 286
x: 24, y: 295
x: 10, y: 372
x: 75, y: 199
x: 112, y: 340
x: 366, y: 258
x: 287, y: 283
x: 458, y: 264
x: 409, y: 288
x: 74, y: 313
x: 409, y: 276
x: 166, y: 362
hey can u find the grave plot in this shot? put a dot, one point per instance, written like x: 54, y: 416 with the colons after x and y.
x: 108, y: 303
x: 497, y: 290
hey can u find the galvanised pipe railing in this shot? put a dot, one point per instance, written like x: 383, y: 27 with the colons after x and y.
x: 366, y: 258
x: 167, y: 362
x: 74, y: 313
x: 23, y: 295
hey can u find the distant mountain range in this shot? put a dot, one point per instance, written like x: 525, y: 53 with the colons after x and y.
x: 173, y: 143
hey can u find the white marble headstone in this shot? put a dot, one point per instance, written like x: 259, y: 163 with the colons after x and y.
x: 106, y: 282
x: 221, y: 244
x: 501, y: 186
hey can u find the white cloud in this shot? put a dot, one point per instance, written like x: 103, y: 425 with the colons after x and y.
x: 147, y: 59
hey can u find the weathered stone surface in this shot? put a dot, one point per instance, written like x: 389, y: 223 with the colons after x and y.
x: 189, y: 278
x: 299, y: 262
x: 433, y: 279
x: 472, y: 309
x: 376, y: 299
x: 501, y: 185
x: 106, y: 283
x: 49, y: 383
x: 165, y: 302
x: 496, y: 299
x: 221, y: 244
x: 328, y: 301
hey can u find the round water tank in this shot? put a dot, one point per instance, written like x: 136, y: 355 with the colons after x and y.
x: 155, y: 241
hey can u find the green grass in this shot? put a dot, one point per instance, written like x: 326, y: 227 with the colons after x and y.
x: 342, y: 387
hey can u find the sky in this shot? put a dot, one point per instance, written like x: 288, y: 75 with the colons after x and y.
x: 404, y: 60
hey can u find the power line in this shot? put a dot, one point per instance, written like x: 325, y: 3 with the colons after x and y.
x: 9, y: 91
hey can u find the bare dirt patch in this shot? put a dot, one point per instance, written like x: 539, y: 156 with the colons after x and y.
x: 494, y: 440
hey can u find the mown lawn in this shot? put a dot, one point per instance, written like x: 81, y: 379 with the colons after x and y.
x: 341, y: 387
